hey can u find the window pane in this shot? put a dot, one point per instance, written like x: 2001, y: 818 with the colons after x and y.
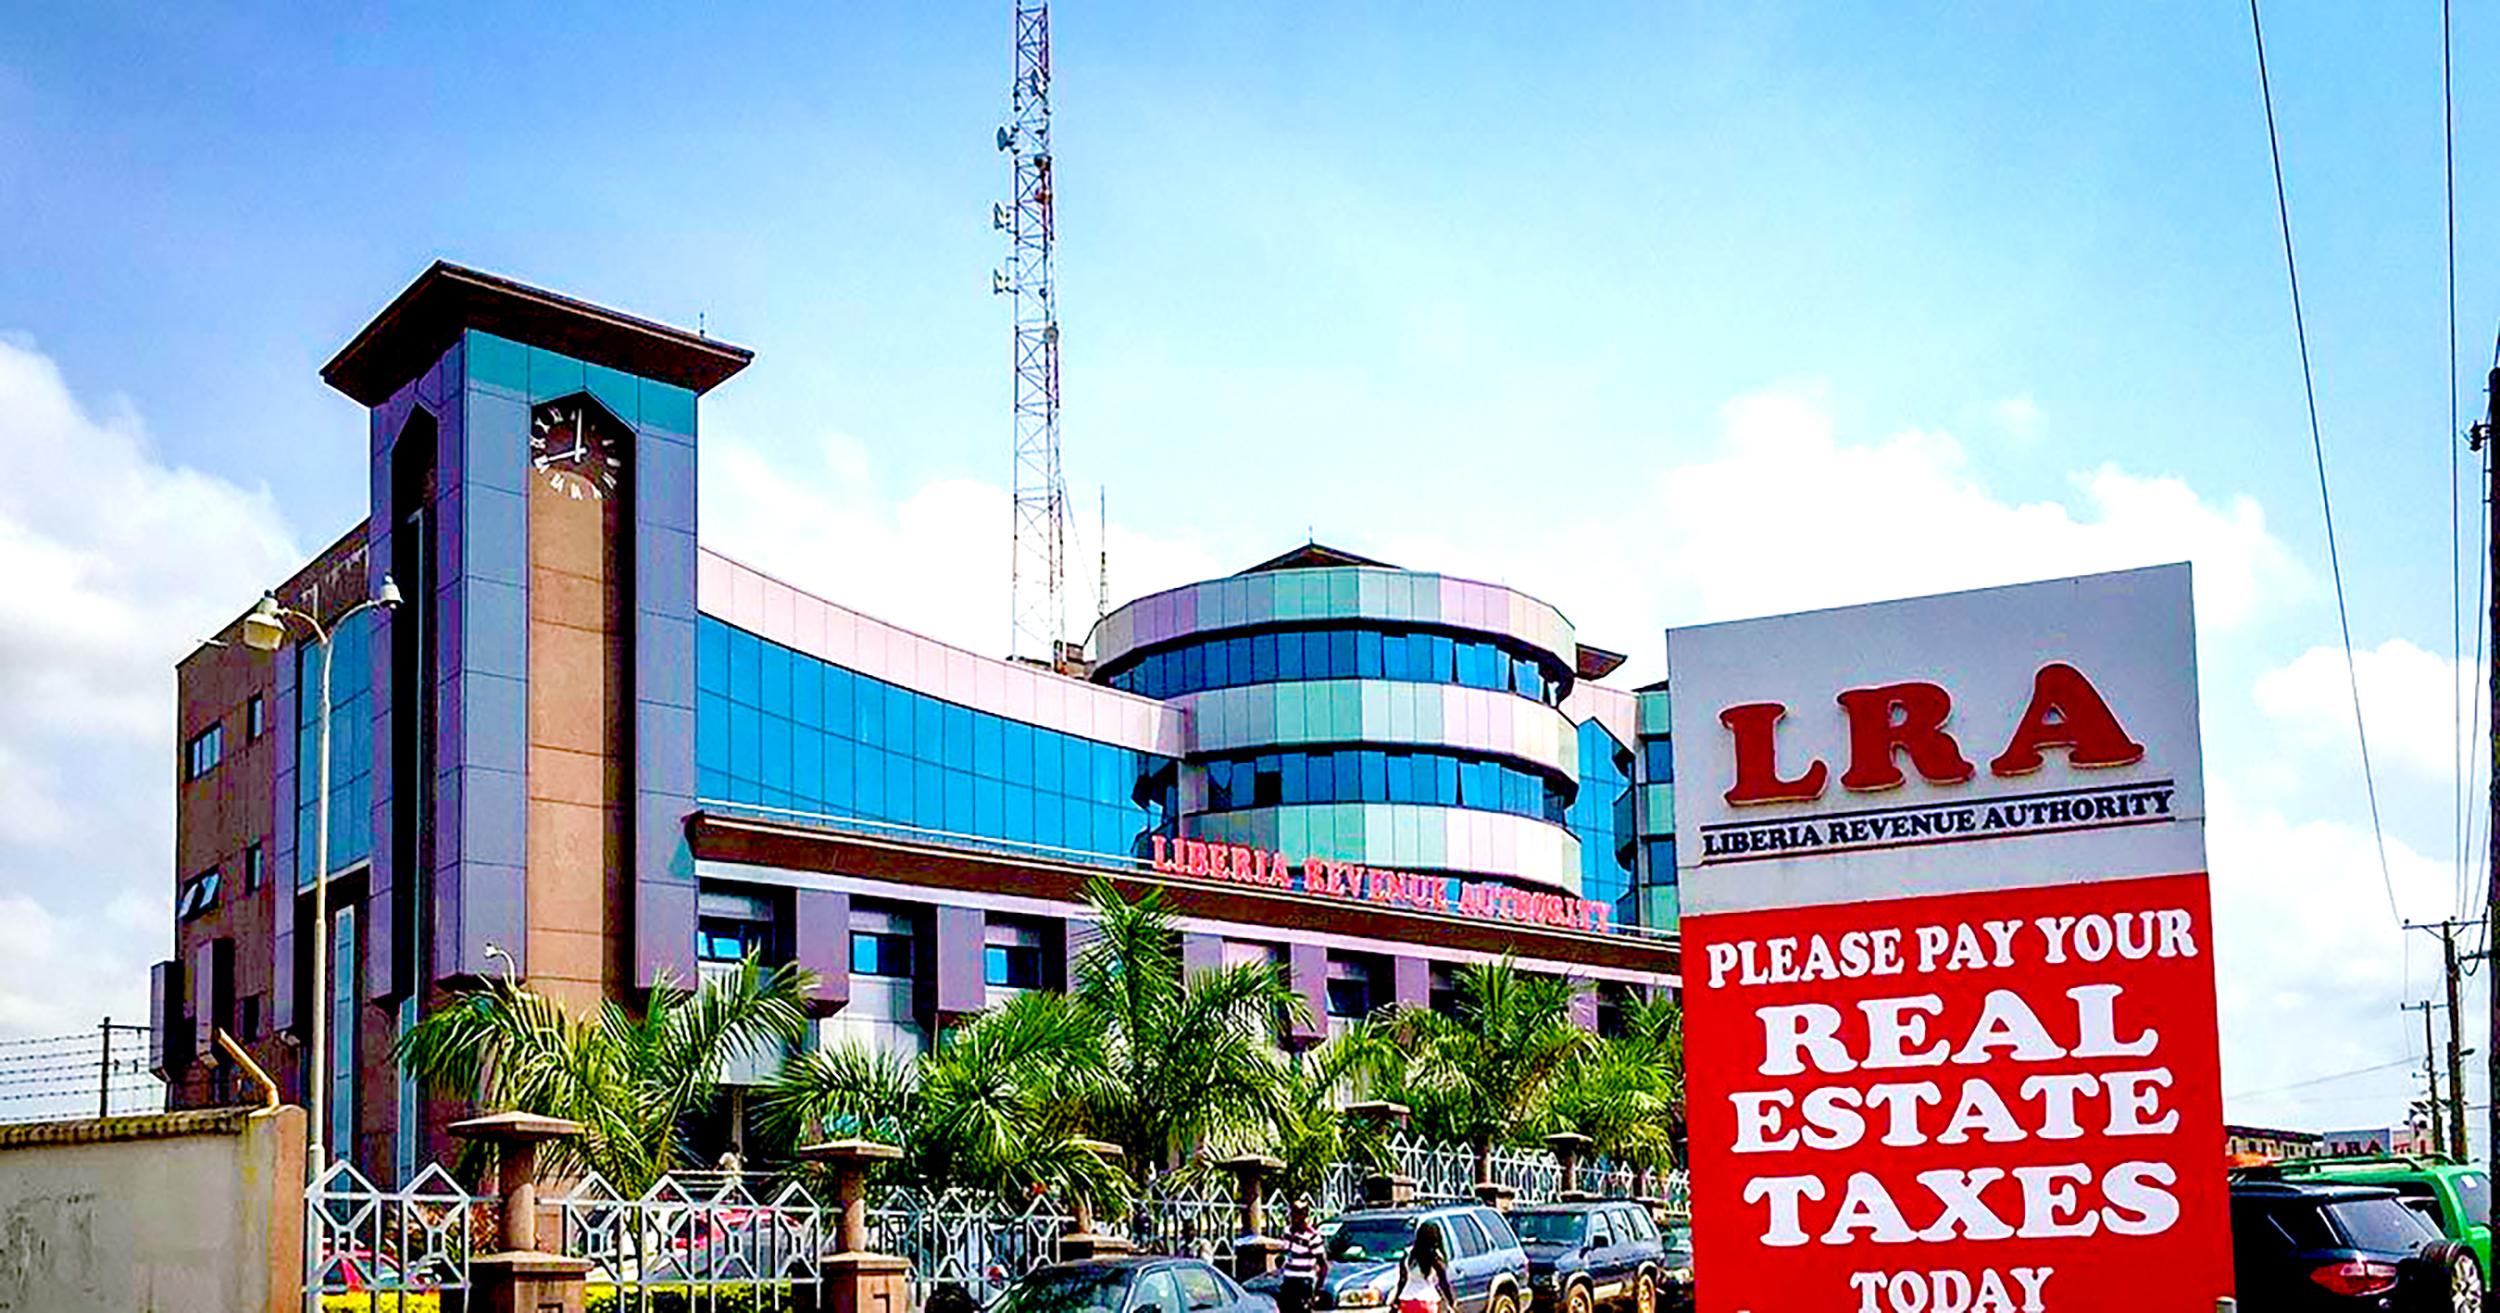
x: 989, y: 745
x: 841, y: 694
x: 711, y: 656
x: 1217, y: 675
x: 1393, y: 664
x: 1019, y: 769
x: 1219, y: 786
x: 1288, y: 657
x: 1049, y: 768
x: 1320, y: 779
x: 1315, y: 654
x: 1401, y: 777
x: 1293, y: 791
x: 1375, y: 776
x: 1445, y: 781
x: 745, y: 660
x: 958, y: 747
x: 773, y: 694
x: 1341, y: 654
x: 1367, y: 654
x: 1237, y: 660
x: 1262, y: 658
x: 807, y: 693
x: 869, y: 723
x: 1349, y: 768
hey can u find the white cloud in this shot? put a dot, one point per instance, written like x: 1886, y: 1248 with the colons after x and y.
x: 1789, y: 518
x: 116, y: 564
x: 935, y: 562
x: 2310, y: 965
x: 2409, y: 696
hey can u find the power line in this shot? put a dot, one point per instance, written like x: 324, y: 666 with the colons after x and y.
x: 2456, y: 588
x: 2405, y: 1061
x: 2317, y: 447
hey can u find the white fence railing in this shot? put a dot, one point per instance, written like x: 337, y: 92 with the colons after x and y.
x: 707, y: 1233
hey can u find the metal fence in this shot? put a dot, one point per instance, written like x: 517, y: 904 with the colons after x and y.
x: 705, y: 1235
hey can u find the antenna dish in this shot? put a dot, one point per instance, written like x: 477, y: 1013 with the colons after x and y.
x: 999, y: 286
x: 1006, y: 138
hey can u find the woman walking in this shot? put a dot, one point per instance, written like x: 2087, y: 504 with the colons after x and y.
x: 1424, y: 1275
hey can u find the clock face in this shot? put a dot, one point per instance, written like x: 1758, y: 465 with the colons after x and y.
x: 577, y: 450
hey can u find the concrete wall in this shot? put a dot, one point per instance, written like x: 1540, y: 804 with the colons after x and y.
x: 175, y: 1212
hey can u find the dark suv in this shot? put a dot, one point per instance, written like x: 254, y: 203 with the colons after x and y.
x: 1582, y: 1255
x: 2316, y: 1245
x: 1488, y: 1270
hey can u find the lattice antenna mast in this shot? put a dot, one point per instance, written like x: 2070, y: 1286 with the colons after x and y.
x: 1038, y: 582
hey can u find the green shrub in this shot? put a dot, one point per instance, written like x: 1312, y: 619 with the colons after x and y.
x: 388, y: 1301
x: 759, y: 1297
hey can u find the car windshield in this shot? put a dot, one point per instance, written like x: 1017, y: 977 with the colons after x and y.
x: 2474, y: 1195
x: 1371, y: 1240
x: 2383, y: 1225
x: 1066, y: 1290
x: 1549, y: 1228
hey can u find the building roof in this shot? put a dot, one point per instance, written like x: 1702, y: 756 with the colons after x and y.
x: 416, y: 328
x: 1315, y: 556
x: 1595, y: 662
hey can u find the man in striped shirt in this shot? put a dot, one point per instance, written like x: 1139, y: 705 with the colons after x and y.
x: 1306, y: 1260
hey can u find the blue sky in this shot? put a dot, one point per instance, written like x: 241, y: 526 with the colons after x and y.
x: 1665, y: 312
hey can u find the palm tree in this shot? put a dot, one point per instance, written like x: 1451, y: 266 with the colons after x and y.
x: 1188, y: 1062
x: 1311, y: 1132
x: 630, y: 1080
x: 996, y: 1106
x: 1484, y: 1072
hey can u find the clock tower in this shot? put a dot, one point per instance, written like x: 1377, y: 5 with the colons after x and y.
x: 533, y: 493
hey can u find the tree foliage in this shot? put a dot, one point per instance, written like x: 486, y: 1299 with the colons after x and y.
x: 630, y: 1080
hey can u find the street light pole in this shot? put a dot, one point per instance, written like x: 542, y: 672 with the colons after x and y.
x: 263, y: 630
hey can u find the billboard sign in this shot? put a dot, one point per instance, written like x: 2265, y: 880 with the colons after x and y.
x: 1949, y: 1005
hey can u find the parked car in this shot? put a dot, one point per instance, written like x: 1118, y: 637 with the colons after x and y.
x: 2320, y: 1245
x: 1675, y: 1282
x: 2456, y: 1198
x: 1130, y: 1285
x: 1488, y: 1269
x: 1583, y: 1256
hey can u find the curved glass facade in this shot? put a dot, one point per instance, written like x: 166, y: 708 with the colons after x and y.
x: 1283, y: 656
x: 778, y: 728
x: 1433, y: 779
x: 1603, y: 819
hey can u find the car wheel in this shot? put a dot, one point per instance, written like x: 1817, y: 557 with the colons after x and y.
x: 1645, y: 1293
x: 2465, y: 1282
x: 1579, y: 1300
x: 1504, y: 1301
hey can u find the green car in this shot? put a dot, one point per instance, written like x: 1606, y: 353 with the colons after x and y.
x: 2456, y: 1198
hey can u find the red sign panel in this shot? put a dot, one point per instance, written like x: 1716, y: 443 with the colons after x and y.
x: 1950, y: 1010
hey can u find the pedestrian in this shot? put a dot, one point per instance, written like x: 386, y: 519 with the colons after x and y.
x: 1424, y: 1275
x: 1306, y: 1259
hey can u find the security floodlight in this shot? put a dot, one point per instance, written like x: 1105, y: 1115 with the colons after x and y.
x: 389, y: 596
x: 264, y: 628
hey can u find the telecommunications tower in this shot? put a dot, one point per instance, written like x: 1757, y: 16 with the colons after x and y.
x: 1039, y: 563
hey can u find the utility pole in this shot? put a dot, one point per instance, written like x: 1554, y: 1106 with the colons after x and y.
x: 2491, y: 893
x: 2455, y: 1143
x: 2430, y: 1067
x: 104, y: 1074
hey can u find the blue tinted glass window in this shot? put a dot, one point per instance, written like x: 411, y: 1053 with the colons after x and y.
x: 1193, y: 667
x: 1315, y: 654
x: 868, y: 784
x: 773, y: 680
x: 1445, y: 781
x: 958, y: 734
x: 711, y: 731
x: 1320, y: 779
x: 1019, y: 813
x: 989, y: 807
x: 1288, y: 657
x: 841, y: 709
x: 1219, y: 786
x: 868, y: 725
x: 1349, y: 784
x: 1393, y: 663
x: 746, y: 742
x: 1401, y: 770
x: 807, y: 694
x: 1375, y: 774
x: 711, y: 656
x: 1367, y: 654
x: 1218, y: 671
x: 1019, y: 753
x: 901, y: 799
x: 929, y: 795
x: 807, y: 767
x: 841, y: 788
x: 1047, y: 830
x: 1263, y: 658
x: 1049, y: 747
x: 1658, y: 760
x: 989, y: 745
x: 1237, y: 658
x: 1341, y: 654
x: 746, y: 657
x: 1293, y: 789
x: 775, y: 766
